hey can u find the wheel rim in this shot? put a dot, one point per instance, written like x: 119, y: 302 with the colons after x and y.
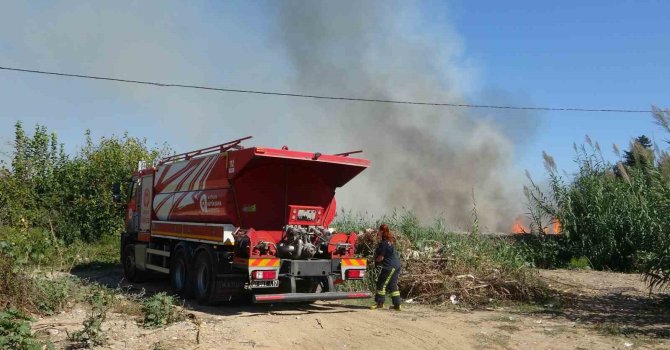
x: 179, y: 275
x: 202, y: 280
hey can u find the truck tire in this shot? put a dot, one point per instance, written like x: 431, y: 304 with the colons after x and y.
x: 204, y: 276
x: 130, y: 270
x: 181, y: 276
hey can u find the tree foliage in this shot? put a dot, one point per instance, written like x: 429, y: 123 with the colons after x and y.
x: 68, y: 195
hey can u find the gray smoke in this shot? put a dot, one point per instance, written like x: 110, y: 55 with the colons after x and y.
x: 428, y: 159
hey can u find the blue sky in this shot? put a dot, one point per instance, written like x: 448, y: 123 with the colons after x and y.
x: 595, y: 54
x: 591, y: 54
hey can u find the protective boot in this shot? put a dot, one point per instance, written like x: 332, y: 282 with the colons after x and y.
x: 377, y: 306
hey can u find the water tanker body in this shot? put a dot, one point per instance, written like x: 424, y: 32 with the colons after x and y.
x: 227, y: 221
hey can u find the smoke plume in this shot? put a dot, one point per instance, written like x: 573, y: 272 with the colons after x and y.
x: 427, y: 159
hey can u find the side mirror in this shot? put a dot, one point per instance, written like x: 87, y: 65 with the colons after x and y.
x: 116, y: 192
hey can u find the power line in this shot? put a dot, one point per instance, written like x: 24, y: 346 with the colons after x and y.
x: 323, y: 97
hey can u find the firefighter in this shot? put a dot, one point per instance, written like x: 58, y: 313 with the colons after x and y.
x: 387, y: 257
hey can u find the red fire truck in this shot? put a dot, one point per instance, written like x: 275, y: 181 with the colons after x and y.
x: 228, y: 221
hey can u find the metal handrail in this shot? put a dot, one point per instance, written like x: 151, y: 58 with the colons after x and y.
x: 199, y: 152
x: 346, y: 154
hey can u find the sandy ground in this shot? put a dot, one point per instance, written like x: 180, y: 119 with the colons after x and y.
x: 600, y: 311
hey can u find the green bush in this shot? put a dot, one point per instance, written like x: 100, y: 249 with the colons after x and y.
x: 27, y: 245
x: 160, y: 310
x: 15, y: 332
x: 581, y: 263
x: 543, y: 251
x: 92, y: 334
x: 101, y: 301
x: 52, y: 295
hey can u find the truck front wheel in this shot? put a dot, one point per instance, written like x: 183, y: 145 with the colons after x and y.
x: 130, y: 270
x: 204, y: 281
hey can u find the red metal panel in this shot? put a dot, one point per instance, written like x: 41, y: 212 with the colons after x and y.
x: 201, y: 206
x: 265, y: 191
x: 207, y: 172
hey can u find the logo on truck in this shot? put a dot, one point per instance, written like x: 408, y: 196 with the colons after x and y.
x: 203, y: 203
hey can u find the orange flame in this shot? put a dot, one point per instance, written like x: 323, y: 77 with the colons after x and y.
x: 554, y: 227
x: 518, y: 227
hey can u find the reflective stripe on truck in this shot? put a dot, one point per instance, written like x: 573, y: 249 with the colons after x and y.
x: 352, y: 264
x: 264, y: 262
x: 262, y: 272
x: 258, y: 263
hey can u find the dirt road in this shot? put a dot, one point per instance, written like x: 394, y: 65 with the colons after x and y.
x: 334, y: 325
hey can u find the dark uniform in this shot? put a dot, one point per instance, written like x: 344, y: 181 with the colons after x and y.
x: 387, y: 282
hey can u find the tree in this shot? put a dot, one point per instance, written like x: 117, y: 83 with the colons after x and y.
x: 71, y: 195
x: 640, y: 154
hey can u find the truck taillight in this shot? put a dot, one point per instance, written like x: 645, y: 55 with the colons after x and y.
x: 355, y: 274
x: 264, y: 275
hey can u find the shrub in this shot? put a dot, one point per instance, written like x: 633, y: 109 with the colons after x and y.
x: 160, y: 310
x: 92, y: 334
x: 15, y: 332
x: 51, y: 295
x: 581, y: 263
x: 27, y: 245
x: 543, y: 251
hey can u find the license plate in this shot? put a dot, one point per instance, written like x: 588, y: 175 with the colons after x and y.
x: 264, y: 284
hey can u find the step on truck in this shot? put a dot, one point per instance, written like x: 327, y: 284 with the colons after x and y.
x: 226, y: 222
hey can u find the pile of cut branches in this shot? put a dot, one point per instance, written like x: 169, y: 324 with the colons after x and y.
x: 439, y: 280
x: 459, y: 268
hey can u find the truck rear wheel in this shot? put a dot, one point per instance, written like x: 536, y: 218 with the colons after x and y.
x: 181, y: 274
x: 130, y: 270
x: 204, y: 279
